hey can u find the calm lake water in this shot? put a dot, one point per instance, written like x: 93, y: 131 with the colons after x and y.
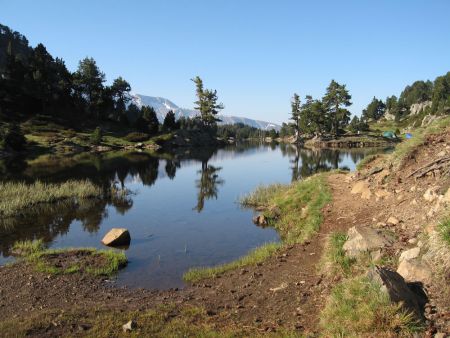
x: 182, y: 212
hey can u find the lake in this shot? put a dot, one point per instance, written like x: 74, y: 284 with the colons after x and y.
x: 182, y: 210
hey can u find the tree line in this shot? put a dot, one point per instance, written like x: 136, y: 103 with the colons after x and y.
x: 329, y: 115
x: 33, y: 83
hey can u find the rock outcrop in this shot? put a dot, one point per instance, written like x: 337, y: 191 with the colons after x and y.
x: 363, y: 239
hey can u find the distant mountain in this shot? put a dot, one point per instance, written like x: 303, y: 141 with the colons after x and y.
x: 162, y: 107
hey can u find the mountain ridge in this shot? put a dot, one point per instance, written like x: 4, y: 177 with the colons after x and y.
x: 163, y: 105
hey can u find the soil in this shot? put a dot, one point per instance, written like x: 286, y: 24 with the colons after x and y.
x: 285, y: 292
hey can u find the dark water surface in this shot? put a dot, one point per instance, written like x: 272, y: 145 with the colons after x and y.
x: 182, y: 212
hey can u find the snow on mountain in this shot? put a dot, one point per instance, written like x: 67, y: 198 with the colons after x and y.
x: 162, y: 107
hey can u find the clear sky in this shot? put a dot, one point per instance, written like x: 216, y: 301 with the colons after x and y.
x: 256, y: 53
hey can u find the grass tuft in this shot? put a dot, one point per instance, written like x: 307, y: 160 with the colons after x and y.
x: 19, y: 196
x: 359, y: 306
x: 444, y: 230
x: 336, y: 262
x: 254, y: 257
x: 295, y: 210
x: 26, y: 248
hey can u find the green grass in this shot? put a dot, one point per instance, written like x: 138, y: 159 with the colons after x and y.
x: 26, y: 248
x: 444, y: 230
x: 419, y: 135
x: 295, y: 210
x: 16, y: 197
x: 254, y: 257
x: 35, y: 254
x: 335, y: 261
x: 358, y: 307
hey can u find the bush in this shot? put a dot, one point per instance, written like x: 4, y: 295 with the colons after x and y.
x: 96, y: 136
x: 11, y: 137
x: 137, y: 137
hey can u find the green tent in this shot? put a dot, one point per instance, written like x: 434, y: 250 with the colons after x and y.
x: 389, y: 134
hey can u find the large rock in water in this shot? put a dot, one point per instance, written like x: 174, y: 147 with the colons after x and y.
x: 117, y: 237
x: 363, y: 239
x: 411, y: 297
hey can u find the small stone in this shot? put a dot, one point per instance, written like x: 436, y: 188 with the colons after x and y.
x: 393, y: 220
x: 412, y: 241
x: 130, y: 326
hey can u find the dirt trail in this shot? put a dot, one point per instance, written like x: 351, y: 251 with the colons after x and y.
x: 284, y: 292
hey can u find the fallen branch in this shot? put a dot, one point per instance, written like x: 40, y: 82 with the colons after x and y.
x: 437, y: 164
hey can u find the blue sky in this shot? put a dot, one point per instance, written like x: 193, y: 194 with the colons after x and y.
x: 256, y: 53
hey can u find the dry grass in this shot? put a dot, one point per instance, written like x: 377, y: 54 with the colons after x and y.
x: 16, y: 197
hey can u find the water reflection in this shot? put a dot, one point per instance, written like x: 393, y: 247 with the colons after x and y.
x: 168, y: 201
x: 207, y: 185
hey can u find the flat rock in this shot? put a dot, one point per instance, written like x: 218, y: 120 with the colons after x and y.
x: 414, y: 270
x: 395, y: 286
x: 363, y: 239
x: 359, y: 187
x: 117, y: 237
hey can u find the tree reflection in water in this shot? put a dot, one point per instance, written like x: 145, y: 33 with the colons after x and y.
x: 207, y: 185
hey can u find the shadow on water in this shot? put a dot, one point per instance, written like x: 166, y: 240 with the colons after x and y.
x: 160, y: 210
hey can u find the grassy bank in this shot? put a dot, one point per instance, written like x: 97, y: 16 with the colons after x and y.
x: 16, y: 197
x: 295, y: 210
x: 357, y: 305
x: 67, y: 261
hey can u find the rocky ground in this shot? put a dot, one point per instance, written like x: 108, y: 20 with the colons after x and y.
x: 400, y: 202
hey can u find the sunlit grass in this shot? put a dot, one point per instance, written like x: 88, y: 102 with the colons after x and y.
x: 16, y: 197
x: 359, y: 306
x: 254, y: 257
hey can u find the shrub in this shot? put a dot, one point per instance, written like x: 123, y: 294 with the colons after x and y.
x: 11, y: 137
x: 96, y: 136
x: 137, y: 137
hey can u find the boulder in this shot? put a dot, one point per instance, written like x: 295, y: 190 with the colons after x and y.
x: 409, y: 254
x: 414, y: 270
x: 363, y: 239
x: 393, y: 284
x: 117, y: 237
x: 359, y: 187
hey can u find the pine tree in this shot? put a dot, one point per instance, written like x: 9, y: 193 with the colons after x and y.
x: 170, y: 123
x: 295, y: 112
x: 206, y: 103
x: 335, y: 100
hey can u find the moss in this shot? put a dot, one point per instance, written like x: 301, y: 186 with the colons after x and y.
x: 358, y: 306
